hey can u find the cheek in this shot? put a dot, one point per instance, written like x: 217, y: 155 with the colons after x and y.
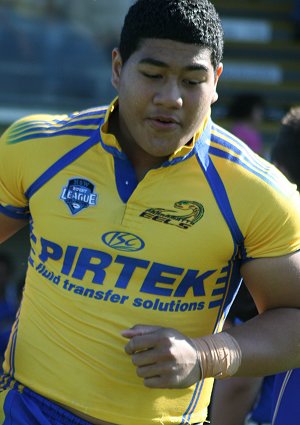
x: 132, y: 94
x: 206, y: 99
x: 197, y: 109
x: 131, y: 109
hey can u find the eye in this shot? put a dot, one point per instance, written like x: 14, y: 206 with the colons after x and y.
x: 192, y: 82
x: 150, y: 75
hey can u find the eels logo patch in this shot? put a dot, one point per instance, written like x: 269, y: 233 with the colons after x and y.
x: 79, y: 194
x: 187, y: 214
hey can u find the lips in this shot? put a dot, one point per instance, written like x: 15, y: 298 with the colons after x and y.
x: 164, y: 122
x: 167, y: 119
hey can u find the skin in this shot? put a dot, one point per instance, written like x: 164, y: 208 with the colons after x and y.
x: 9, y: 226
x: 233, y: 399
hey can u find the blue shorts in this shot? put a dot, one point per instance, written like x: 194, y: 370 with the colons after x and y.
x: 286, y: 398
x: 262, y: 411
x: 29, y: 408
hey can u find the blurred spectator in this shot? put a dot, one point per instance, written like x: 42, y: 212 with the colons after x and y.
x: 246, y: 113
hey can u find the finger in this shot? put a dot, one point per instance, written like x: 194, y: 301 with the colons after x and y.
x: 144, y: 358
x: 148, y: 371
x: 155, y: 382
x: 160, y: 382
x: 139, y: 330
x: 163, y: 375
x: 141, y: 343
x: 163, y: 370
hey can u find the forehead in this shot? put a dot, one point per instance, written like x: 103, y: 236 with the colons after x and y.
x: 172, y: 53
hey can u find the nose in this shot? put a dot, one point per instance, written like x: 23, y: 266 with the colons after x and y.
x: 169, y: 95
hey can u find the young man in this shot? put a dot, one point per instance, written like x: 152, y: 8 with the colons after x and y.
x: 144, y: 217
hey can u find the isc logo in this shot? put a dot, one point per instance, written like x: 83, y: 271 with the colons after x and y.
x: 123, y: 241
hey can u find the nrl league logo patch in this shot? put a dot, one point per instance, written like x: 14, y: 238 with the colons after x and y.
x: 79, y: 194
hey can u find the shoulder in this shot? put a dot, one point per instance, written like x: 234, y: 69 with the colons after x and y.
x: 265, y: 204
x: 33, y: 144
x: 45, y: 126
x: 235, y: 159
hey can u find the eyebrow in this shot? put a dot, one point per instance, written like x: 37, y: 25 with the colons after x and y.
x: 155, y: 62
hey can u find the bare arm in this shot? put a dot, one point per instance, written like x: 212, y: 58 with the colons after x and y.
x: 270, y: 342
x: 233, y: 399
x: 9, y: 226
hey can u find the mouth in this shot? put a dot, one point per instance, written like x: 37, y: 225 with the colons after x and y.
x: 164, y: 122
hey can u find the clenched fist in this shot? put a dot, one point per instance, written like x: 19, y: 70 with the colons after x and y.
x: 164, y: 358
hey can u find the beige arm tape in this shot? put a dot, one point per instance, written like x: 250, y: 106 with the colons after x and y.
x: 219, y: 355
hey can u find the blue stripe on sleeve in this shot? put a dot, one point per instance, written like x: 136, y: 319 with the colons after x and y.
x: 69, y: 132
x: 242, y: 155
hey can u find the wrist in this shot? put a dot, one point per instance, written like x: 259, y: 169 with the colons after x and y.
x: 218, y: 355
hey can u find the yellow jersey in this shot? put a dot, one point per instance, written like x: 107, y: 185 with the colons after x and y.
x: 108, y: 252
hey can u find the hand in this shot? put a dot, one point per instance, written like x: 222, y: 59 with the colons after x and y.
x: 163, y: 357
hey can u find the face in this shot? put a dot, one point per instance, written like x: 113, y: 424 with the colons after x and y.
x: 165, y: 91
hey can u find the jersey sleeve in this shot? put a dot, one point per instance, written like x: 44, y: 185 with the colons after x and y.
x: 273, y: 226
x: 13, y: 202
x: 27, y: 148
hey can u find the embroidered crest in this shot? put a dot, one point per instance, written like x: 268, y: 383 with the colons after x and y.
x: 187, y: 214
x: 79, y: 194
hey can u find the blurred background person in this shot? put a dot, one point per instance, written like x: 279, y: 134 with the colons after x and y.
x: 246, y: 113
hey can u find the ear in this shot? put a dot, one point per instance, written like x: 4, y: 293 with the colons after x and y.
x: 116, y: 68
x: 217, y: 76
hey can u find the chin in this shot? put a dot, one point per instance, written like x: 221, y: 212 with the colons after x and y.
x: 159, y: 153
x: 161, y: 149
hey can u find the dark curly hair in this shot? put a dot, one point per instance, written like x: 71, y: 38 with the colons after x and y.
x: 186, y: 21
